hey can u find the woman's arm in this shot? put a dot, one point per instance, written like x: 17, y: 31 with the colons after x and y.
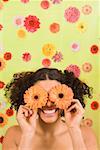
x: 73, y: 120
x: 77, y: 139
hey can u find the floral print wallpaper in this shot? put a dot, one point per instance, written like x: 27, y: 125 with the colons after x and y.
x: 63, y: 34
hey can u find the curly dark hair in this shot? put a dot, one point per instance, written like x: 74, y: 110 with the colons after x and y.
x: 22, y: 81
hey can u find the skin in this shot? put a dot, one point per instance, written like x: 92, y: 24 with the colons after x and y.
x: 43, y: 131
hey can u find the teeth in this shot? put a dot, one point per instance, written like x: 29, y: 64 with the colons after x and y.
x: 49, y: 111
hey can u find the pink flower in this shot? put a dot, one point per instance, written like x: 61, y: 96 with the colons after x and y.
x: 26, y: 57
x: 56, y: 1
x: 57, y: 57
x: 87, y: 9
x: 75, y: 46
x: 19, y: 21
x: 72, y: 14
x: 75, y: 69
x: 24, y: 1
x: 31, y: 23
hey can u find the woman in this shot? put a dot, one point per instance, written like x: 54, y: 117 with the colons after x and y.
x: 48, y: 127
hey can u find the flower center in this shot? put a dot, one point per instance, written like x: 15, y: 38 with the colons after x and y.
x: 61, y: 95
x: 1, y: 119
x: 36, y: 97
x: 31, y: 23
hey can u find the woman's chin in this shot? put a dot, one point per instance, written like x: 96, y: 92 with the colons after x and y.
x: 49, y: 116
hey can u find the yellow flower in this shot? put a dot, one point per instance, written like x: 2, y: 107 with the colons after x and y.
x: 48, y: 50
x: 2, y: 64
x: 3, y: 120
x: 21, y: 33
x: 35, y: 97
x: 82, y: 27
x: 61, y: 95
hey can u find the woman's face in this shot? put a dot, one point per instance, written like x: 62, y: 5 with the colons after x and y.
x: 49, y: 113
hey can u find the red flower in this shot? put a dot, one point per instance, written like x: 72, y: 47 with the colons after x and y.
x: 5, y: 0
x: 2, y: 84
x: 9, y: 112
x: 46, y: 62
x: 26, y: 57
x: 1, y: 26
x: 94, y: 49
x: 7, y: 56
x: 54, y: 27
x: 1, y: 139
x: 94, y: 105
x: 45, y: 4
x: 31, y: 23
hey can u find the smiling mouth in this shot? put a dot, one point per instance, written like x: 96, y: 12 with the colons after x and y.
x: 49, y: 110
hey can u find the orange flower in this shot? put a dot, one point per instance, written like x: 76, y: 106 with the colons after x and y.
x: 61, y: 95
x: 35, y: 97
x: 3, y: 120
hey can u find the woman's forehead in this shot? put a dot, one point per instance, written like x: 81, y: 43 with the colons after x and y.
x: 48, y: 84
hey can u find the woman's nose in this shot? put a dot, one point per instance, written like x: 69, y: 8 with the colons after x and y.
x: 49, y: 103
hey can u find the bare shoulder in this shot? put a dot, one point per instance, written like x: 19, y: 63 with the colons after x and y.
x: 11, y: 136
x: 14, y: 130
x: 89, y: 137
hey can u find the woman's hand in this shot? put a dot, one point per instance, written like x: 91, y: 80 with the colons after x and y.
x: 74, y: 114
x: 27, y: 119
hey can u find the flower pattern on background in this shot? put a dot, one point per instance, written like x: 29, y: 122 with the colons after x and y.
x: 86, y: 67
x: 88, y: 122
x: 26, y: 57
x: 3, y: 120
x: 75, y: 69
x: 86, y: 9
x: 56, y: 1
x: 46, y: 62
x: 75, y: 46
x: 1, y: 27
x: 2, y: 104
x: 5, y: 0
x: 21, y: 33
x: 48, y: 50
x: 45, y: 4
x: 54, y: 27
x: 82, y: 27
x: 24, y: 1
x: 35, y: 97
x: 61, y: 95
x: 72, y: 14
x: 7, y: 55
x: 94, y: 105
x: 19, y: 21
x: 9, y: 112
x: 31, y: 23
x: 2, y: 84
x: 94, y: 49
x: 2, y: 64
x: 57, y: 57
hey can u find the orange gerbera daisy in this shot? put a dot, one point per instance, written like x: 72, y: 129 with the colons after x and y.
x: 3, y: 120
x: 61, y: 95
x: 35, y: 97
